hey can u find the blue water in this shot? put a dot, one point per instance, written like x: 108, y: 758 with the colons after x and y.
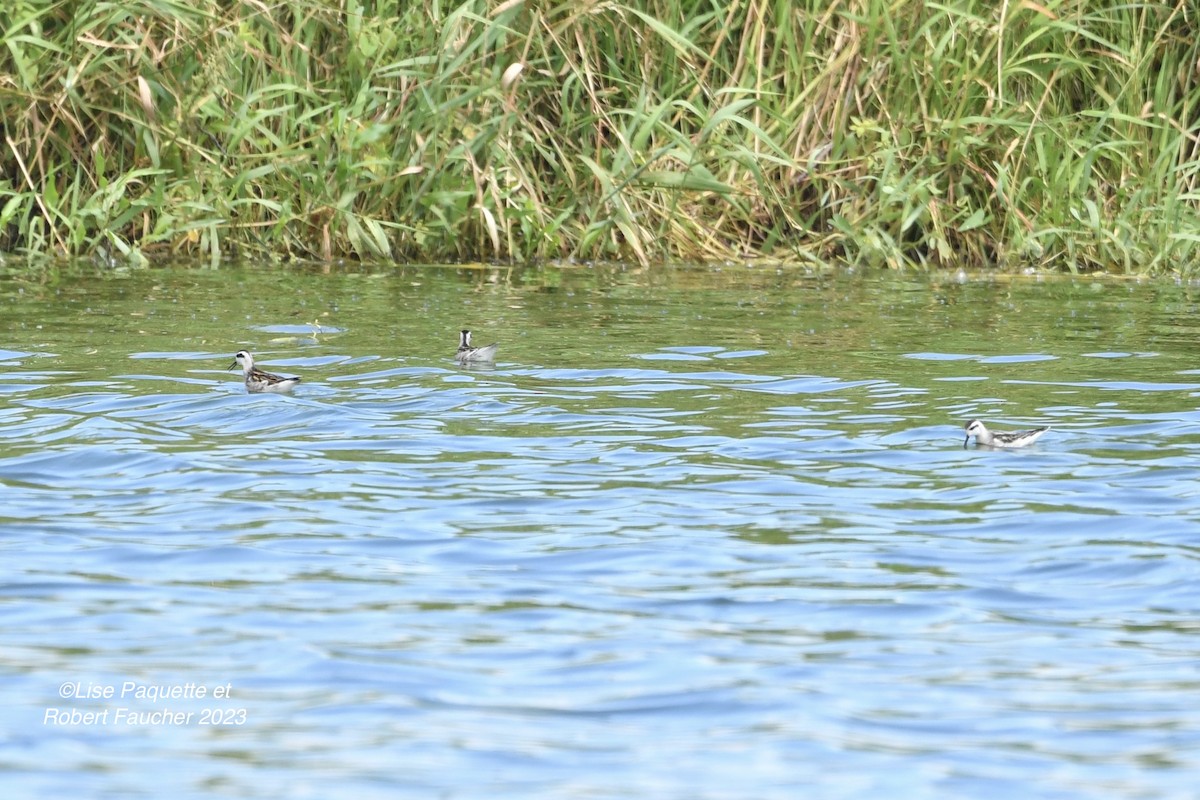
x: 699, y: 534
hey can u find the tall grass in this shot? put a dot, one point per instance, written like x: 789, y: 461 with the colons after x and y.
x: 1013, y: 133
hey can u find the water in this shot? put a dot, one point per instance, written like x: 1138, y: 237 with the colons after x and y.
x: 699, y: 534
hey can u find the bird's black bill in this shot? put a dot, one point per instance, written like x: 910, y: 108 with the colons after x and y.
x: 234, y: 364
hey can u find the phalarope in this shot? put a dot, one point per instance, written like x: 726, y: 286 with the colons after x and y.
x: 999, y: 438
x: 474, y: 354
x: 259, y: 381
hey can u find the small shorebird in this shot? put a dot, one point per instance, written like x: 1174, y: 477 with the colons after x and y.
x: 999, y: 438
x: 473, y: 354
x: 259, y: 381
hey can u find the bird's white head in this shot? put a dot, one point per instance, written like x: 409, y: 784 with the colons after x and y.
x: 244, y: 360
x: 974, y: 428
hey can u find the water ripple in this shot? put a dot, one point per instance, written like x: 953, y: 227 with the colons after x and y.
x: 783, y: 577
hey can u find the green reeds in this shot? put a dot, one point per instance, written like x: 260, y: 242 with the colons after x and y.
x: 1011, y: 134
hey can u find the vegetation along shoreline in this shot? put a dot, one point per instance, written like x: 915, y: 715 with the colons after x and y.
x: 1012, y: 135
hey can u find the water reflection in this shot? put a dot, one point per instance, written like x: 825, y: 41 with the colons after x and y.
x: 696, y: 533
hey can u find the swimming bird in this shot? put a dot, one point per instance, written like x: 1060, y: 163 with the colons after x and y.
x: 259, y: 381
x: 1000, y: 438
x: 473, y: 354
